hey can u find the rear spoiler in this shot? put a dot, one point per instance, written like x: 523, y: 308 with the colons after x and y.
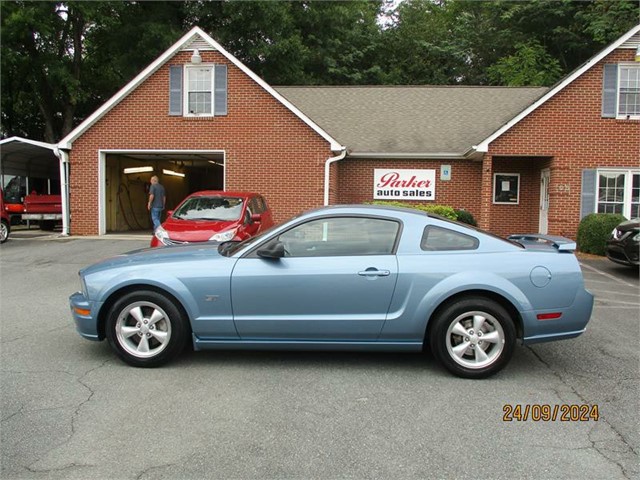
x: 535, y: 240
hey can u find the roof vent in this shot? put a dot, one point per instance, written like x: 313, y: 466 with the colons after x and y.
x: 198, y: 43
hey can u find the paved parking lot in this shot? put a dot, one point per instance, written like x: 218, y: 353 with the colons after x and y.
x: 71, y: 410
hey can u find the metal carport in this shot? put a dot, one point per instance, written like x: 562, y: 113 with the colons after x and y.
x: 21, y: 156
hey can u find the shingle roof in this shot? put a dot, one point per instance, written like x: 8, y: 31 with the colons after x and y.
x: 427, y: 120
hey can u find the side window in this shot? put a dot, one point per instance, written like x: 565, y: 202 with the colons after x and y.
x: 440, y: 239
x: 341, y: 236
x: 255, y: 205
x: 263, y: 202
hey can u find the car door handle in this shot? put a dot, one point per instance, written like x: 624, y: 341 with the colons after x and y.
x: 374, y: 272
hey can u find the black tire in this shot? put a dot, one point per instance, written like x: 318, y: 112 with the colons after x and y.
x: 5, y: 229
x: 146, y: 317
x: 465, y: 352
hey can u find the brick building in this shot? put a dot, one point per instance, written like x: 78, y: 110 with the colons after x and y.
x: 519, y: 159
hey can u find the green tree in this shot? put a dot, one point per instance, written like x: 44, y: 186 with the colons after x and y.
x: 60, y: 61
x: 298, y: 42
x: 419, y: 46
x: 531, y: 64
x: 482, y: 42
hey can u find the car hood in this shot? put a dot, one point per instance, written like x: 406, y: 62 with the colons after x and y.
x: 196, y: 230
x: 155, y: 257
x: 629, y: 225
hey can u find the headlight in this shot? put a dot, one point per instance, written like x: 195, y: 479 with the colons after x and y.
x: 161, y: 234
x: 224, y: 236
x: 83, y: 287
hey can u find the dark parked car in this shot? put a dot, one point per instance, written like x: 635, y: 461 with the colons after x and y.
x: 623, y: 245
x: 216, y: 216
x: 341, y: 278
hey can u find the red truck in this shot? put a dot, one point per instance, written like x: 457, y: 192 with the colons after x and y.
x: 46, y: 209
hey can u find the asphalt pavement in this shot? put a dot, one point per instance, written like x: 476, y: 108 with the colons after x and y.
x: 71, y: 410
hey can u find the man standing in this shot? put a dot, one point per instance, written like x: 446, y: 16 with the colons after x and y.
x: 157, y: 200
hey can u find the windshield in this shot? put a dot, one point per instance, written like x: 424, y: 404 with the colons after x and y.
x: 210, y: 208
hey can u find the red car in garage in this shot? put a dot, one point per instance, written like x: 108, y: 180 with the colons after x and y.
x: 216, y: 216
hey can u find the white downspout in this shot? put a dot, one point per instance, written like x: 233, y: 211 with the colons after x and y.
x: 327, y: 168
x: 64, y: 188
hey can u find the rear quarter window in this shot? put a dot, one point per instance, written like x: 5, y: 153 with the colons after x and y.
x: 442, y: 239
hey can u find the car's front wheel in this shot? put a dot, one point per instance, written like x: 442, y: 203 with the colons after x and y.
x: 4, y: 231
x: 473, y: 337
x: 146, y: 329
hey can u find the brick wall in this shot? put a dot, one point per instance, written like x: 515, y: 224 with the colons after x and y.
x: 268, y: 149
x: 568, y: 129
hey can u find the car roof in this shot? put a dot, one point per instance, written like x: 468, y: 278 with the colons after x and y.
x: 371, y: 209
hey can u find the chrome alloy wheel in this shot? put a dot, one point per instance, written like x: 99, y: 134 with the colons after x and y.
x: 143, y: 329
x: 475, y: 339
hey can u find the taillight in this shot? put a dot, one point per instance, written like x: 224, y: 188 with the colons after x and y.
x: 549, y: 316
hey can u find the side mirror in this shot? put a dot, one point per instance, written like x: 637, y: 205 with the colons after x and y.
x: 169, y: 213
x: 256, y: 218
x: 272, y: 250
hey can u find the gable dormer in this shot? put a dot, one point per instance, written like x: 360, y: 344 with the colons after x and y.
x: 621, y: 85
x: 198, y: 89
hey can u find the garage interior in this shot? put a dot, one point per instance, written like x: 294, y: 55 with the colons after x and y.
x: 127, y: 182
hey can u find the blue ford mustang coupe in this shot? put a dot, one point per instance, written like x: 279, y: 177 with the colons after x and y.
x: 341, y: 278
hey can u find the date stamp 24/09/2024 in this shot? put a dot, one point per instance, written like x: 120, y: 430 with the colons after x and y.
x: 550, y: 413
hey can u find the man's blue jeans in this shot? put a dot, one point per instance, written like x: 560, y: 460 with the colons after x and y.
x: 155, y: 216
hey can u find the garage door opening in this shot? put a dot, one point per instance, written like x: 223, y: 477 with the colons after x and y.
x: 127, y: 178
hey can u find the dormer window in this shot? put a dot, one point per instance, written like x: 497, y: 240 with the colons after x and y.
x: 198, y: 90
x: 621, y: 91
x: 629, y: 90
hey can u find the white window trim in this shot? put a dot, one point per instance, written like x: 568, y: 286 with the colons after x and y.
x: 620, y: 116
x: 628, y: 185
x: 185, y: 90
x: 493, y: 192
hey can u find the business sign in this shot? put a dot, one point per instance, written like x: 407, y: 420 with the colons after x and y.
x: 404, y: 184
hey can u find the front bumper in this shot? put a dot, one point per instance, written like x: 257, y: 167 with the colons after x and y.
x: 86, y: 323
x: 625, y: 254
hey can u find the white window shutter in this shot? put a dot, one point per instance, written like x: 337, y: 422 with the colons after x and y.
x: 175, y: 90
x: 609, y: 90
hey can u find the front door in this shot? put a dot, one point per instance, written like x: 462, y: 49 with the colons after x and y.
x: 545, y: 176
x: 334, y: 283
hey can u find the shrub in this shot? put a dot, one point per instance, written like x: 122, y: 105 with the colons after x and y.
x: 442, y: 210
x: 466, y: 217
x: 594, y: 230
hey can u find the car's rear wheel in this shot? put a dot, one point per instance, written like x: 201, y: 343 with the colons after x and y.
x: 473, y: 337
x: 4, y: 231
x: 146, y: 329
